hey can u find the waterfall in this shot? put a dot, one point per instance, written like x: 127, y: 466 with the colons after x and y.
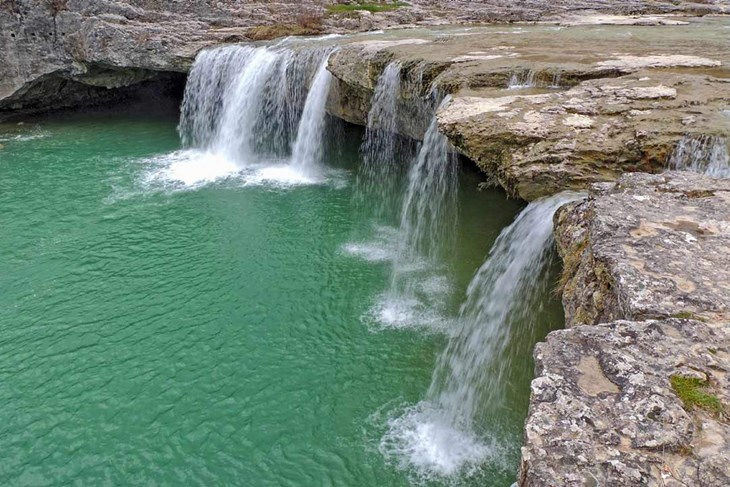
x: 555, y: 84
x: 524, y: 79
x: 417, y: 292
x: 428, y: 211
x: 427, y: 218
x: 308, y: 147
x: 254, y: 105
x: 444, y: 433
x: 705, y: 154
x: 378, y: 176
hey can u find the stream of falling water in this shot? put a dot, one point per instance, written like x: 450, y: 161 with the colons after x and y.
x: 379, y: 176
x: 260, y: 108
x: 448, y: 432
x: 412, y: 240
x: 417, y: 291
x: 704, y: 154
x: 418, y: 286
x: 522, y: 80
x: 309, y: 145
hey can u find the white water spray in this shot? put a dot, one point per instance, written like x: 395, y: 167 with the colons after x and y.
x: 258, y: 107
x: 703, y: 154
x: 417, y: 292
x: 444, y: 434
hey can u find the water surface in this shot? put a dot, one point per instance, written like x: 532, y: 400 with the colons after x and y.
x: 165, y: 321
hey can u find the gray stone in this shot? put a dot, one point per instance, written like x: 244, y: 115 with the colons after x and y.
x: 58, y: 52
x: 603, y: 411
x: 647, y: 246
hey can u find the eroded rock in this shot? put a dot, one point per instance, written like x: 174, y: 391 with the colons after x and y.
x: 536, y: 145
x: 539, y: 120
x: 603, y: 410
x: 647, y: 246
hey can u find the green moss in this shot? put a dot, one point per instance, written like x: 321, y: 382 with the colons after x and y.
x: 693, y: 393
x: 687, y: 315
x: 370, y: 7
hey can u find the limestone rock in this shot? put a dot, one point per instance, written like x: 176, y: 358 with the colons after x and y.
x: 540, y: 144
x: 57, y: 53
x: 647, y: 246
x: 603, y: 411
x: 575, y: 118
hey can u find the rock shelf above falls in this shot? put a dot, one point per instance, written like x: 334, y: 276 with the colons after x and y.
x: 617, y: 100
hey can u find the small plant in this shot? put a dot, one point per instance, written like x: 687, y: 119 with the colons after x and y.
x: 687, y: 315
x: 693, y: 394
x: 368, y: 6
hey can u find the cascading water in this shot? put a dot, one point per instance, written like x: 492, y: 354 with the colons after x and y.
x: 427, y: 221
x: 555, y: 83
x: 309, y: 146
x: 427, y: 214
x: 522, y: 80
x: 445, y: 433
x: 247, y: 106
x: 704, y: 154
x: 379, y: 173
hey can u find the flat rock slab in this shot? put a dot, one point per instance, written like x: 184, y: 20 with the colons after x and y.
x: 539, y: 119
x: 539, y: 144
x: 603, y: 411
x: 646, y: 247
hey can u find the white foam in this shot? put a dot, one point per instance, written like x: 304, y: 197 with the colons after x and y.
x: 193, y: 168
x: 382, y: 248
x: 407, y: 310
x: 418, y: 439
x: 369, y: 251
x: 279, y: 176
x: 23, y: 137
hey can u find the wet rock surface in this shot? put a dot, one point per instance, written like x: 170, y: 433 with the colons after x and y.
x: 648, y: 246
x: 604, y: 412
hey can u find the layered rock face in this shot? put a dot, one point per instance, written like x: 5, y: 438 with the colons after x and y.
x: 60, y: 52
x: 607, y: 404
x: 538, y: 118
x: 648, y: 247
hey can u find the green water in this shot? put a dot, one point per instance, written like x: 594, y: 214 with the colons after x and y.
x: 154, y: 334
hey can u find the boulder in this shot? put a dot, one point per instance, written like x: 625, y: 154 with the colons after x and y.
x: 604, y: 410
x: 647, y: 247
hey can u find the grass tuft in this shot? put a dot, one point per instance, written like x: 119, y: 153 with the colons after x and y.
x: 693, y: 394
x: 688, y: 315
